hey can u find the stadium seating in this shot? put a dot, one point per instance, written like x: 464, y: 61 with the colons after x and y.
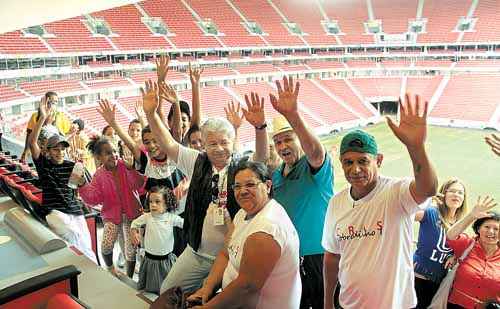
x: 180, y: 21
x: 322, y: 105
x: 128, y: 32
x: 92, y: 119
x: 141, y: 77
x: 257, y: 68
x: 395, y: 63
x: 440, y: 27
x: 486, y: 27
x: 15, y: 43
x: 378, y: 87
x: 423, y: 86
x: 107, y: 83
x: 479, y: 63
x: 99, y: 64
x: 365, y: 77
x: 361, y: 64
x: 292, y: 68
x: 218, y: 71
x: 261, y: 12
x: 395, y: 14
x: 72, y: 35
x: 132, y: 34
x: 469, y: 97
x: 130, y: 62
x: 263, y: 90
x: 317, y: 64
x: 38, y: 88
x: 128, y: 104
x: 433, y: 63
x: 227, y: 22
x: 350, y: 16
x: 339, y: 88
x: 308, y: 16
x: 57, y: 288
x: 9, y: 93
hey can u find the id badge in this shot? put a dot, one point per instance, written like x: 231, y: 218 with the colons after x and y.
x: 219, y: 216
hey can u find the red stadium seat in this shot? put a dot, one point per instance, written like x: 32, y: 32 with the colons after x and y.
x: 37, y: 292
x: 63, y: 301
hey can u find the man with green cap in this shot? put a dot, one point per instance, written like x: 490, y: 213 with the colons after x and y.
x: 303, y: 185
x: 369, y: 226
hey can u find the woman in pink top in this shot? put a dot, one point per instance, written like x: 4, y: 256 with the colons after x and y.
x: 115, y: 187
x: 477, y: 280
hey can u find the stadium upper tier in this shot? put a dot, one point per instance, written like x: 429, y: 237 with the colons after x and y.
x: 160, y: 25
x: 326, y: 104
x: 114, y: 78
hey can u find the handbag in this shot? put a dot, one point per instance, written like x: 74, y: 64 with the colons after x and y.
x: 440, y: 299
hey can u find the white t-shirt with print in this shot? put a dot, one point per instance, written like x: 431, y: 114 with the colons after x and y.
x: 212, y: 236
x: 373, y: 237
x: 283, y: 287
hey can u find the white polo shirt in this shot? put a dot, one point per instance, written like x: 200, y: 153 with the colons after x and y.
x: 373, y: 237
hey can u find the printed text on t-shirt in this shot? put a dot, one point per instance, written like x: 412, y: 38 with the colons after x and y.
x: 353, y: 232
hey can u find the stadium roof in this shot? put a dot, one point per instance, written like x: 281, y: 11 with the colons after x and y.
x: 19, y: 14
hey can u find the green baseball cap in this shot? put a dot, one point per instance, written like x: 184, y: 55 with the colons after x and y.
x: 359, y: 141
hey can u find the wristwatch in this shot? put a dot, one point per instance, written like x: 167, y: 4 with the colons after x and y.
x: 261, y: 127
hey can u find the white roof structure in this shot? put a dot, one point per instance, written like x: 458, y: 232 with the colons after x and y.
x: 19, y: 14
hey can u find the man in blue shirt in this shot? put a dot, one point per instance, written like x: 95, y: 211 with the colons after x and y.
x: 303, y: 185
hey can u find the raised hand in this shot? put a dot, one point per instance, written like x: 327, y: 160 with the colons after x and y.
x: 44, y: 109
x: 150, y: 97
x: 168, y: 93
x: 286, y: 103
x: 494, y: 141
x: 412, y: 128
x: 128, y: 157
x: 138, y: 109
x: 162, y: 68
x: 195, y: 74
x: 233, y: 115
x: 482, y: 207
x: 254, y: 113
x: 107, y: 111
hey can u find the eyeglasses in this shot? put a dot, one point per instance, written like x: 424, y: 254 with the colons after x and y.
x: 215, y: 187
x: 248, y: 186
x: 453, y: 191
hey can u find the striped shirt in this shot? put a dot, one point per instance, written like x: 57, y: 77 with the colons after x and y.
x: 54, y: 184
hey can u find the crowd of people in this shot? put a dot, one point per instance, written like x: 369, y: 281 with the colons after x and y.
x: 265, y: 230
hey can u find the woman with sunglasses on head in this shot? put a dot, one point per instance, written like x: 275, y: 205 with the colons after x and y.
x: 433, y: 256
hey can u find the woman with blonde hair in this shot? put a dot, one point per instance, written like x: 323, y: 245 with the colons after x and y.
x: 430, y: 258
